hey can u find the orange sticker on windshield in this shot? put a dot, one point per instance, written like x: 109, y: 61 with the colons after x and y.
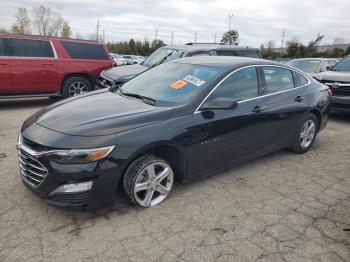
x: 178, y: 84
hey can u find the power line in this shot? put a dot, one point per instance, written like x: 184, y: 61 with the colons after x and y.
x: 230, y: 16
x: 97, y: 29
x: 283, y: 35
x: 172, y: 38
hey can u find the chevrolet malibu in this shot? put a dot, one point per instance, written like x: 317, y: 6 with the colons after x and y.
x: 182, y: 120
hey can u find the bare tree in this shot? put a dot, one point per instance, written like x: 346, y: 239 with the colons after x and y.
x: 339, y: 41
x: 47, y: 22
x: 22, y: 24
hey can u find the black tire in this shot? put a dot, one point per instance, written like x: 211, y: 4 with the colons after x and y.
x: 75, y: 80
x: 297, y: 144
x: 133, y: 171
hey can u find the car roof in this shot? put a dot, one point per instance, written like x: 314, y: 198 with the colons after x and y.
x: 314, y: 58
x: 223, y: 61
x: 39, y: 37
x: 206, y: 47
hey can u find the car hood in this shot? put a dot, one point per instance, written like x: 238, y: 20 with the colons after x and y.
x: 116, y: 73
x: 98, y: 114
x: 334, y: 76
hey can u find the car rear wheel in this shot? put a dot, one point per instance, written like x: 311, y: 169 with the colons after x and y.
x: 305, y: 135
x: 75, y: 86
x: 148, y: 181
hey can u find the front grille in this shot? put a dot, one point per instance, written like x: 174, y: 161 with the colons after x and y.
x: 31, y: 169
x: 342, y: 90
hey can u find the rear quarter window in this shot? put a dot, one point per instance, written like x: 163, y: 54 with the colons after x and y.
x: 299, y: 80
x: 85, y: 51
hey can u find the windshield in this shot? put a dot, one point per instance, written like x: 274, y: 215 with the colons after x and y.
x: 343, y: 65
x: 162, y: 55
x: 171, y: 83
x: 309, y: 66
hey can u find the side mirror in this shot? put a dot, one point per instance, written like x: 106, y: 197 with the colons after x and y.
x: 220, y: 103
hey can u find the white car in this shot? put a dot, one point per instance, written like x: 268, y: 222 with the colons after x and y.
x: 118, y: 59
x: 133, y: 59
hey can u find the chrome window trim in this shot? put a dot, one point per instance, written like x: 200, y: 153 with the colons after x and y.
x: 250, y: 99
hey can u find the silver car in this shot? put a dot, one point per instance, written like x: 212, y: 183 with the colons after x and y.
x: 118, y: 59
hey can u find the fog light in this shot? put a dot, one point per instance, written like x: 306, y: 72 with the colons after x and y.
x: 73, y: 188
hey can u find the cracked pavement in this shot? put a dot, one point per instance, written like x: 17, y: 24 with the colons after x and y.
x: 282, y: 207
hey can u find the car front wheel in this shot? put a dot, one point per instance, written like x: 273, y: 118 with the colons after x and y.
x: 148, y: 181
x: 305, y: 135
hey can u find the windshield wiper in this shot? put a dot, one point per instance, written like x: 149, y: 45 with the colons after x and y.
x: 147, y: 100
x: 163, y: 59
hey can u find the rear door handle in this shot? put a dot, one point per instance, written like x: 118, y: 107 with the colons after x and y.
x: 299, y: 98
x: 47, y: 64
x: 259, y: 109
x: 3, y: 64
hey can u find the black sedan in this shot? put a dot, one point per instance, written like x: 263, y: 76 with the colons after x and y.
x: 182, y: 120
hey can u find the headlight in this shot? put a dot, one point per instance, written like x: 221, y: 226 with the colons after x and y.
x: 78, y: 156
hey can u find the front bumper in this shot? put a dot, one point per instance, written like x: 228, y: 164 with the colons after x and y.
x: 104, y: 174
x: 104, y: 82
x: 340, y: 103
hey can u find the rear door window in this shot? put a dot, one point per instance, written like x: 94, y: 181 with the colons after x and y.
x: 278, y: 79
x: 30, y: 48
x: 85, y: 51
x: 248, y: 53
x: 241, y: 85
x: 225, y: 53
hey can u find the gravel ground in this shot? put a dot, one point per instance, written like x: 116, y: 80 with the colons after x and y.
x: 282, y: 207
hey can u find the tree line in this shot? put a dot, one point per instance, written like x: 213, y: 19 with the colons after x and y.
x: 295, y: 49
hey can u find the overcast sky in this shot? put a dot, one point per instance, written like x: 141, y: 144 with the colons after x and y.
x: 256, y: 21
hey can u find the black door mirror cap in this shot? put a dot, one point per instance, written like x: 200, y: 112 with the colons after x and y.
x: 220, y: 103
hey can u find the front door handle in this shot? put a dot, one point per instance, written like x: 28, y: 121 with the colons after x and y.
x: 48, y: 64
x: 259, y: 109
x: 299, y: 98
x: 3, y: 64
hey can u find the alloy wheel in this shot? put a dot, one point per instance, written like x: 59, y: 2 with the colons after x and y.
x: 77, y: 88
x: 153, y: 184
x: 308, y: 133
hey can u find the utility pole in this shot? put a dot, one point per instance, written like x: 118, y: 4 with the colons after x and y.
x: 230, y: 16
x: 103, y: 33
x: 195, y: 37
x: 97, y: 29
x: 172, y: 38
x: 283, y: 35
x: 215, y: 38
x: 156, y: 37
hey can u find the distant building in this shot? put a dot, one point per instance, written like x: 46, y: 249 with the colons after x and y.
x: 324, y: 48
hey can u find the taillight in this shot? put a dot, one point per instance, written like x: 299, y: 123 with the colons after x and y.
x: 330, y: 93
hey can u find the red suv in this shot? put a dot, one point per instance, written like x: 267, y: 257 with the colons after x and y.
x: 45, y: 66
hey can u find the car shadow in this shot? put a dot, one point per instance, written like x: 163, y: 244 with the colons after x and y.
x: 340, y: 117
x: 26, y: 102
